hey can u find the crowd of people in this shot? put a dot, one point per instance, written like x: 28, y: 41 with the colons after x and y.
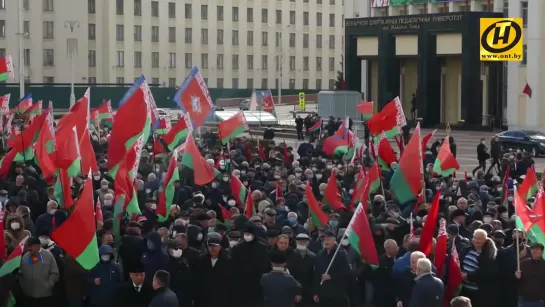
x: 277, y: 257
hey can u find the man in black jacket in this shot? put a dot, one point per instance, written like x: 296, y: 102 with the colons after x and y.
x: 301, y: 266
x: 428, y: 290
x: 164, y: 297
x: 132, y: 248
x: 135, y: 292
x: 482, y: 156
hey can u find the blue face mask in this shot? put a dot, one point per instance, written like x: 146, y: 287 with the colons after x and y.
x: 334, y: 223
x: 3, y: 199
x: 292, y: 220
x: 211, y: 229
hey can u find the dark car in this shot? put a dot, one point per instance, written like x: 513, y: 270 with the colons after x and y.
x: 527, y: 140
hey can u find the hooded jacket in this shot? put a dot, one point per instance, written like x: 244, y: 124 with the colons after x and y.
x: 14, y: 237
x: 155, y: 258
x: 108, y: 274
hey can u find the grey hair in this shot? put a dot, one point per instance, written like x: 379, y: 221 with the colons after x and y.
x: 424, y: 265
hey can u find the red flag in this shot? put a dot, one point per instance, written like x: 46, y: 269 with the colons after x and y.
x: 98, y: 213
x: 193, y: 98
x: 331, y: 193
x: 441, y: 247
x: 425, y: 140
x: 202, y: 172
x: 278, y: 191
x: 286, y: 155
x: 454, y: 279
x: 46, y: 151
x: 527, y: 90
x: 426, y: 237
x: 249, y: 209
x: 88, y: 157
x: 6, y: 162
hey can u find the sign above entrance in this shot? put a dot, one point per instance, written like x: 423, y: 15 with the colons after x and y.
x: 408, y: 2
x: 380, y: 3
x: 501, y: 39
x: 402, y: 22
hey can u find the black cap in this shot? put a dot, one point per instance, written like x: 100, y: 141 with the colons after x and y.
x: 328, y: 233
x: 137, y: 268
x: 537, y: 245
x: 272, y: 233
x: 213, y: 240
x: 278, y: 257
x: 234, y: 234
x: 135, y: 224
x: 250, y: 228
x: 453, y: 229
x: 33, y: 241
x: 499, y: 234
x: 457, y: 212
x: 202, y: 217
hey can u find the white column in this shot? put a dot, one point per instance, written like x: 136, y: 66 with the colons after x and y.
x: 512, y: 80
x: 534, y: 62
x: 473, y: 6
x: 498, y: 6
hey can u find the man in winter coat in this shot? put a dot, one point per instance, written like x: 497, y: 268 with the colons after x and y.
x: 103, y: 278
x: 164, y: 297
x: 135, y: 292
x: 155, y: 258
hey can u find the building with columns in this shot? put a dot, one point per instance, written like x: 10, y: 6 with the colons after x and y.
x: 490, y: 95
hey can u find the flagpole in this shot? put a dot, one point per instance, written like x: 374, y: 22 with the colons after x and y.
x: 380, y: 178
x: 335, y: 254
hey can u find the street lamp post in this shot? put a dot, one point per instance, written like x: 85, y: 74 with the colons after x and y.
x: 72, y: 51
x: 21, y: 35
x: 281, y: 57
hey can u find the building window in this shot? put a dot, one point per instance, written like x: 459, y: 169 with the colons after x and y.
x: 49, y: 29
x: 220, y: 37
x: 331, y: 64
x: 250, y: 14
x: 219, y: 83
x: 319, y: 41
x: 277, y: 62
x: 524, y: 54
x: 305, y: 18
x: 204, y: 36
x: 92, y: 30
x: 332, y: 20
x: 292, y: 84
x: 155, y: 34
x: 318, y: 1
x: 154, y: 9
x: 91, y: 6
x: 332, y: 42
x: 154, y: 81
x: 264, y: 15
x: 331, y: 84
x: 250, y: 61
x: 92, y: 58
x: 220, y: 12
x: 172, y: 60
x: 188, y: 13
x: 137, y: 33
x: 318, y: 84
x: 48, y: 6
x: 264, y: 62
x: 119, y: 7
x: 49, y: 80
x: 292, y: 62
x: 264, y: 83
x: 305, y: 40
x: 235, y: 83
x: 121, y: 59
x: 188, y: 35
x: 292, y: 40
x: 49, y: 57
x: 319, y: 19
x: 250, y: 38
x: 188, y: 60
x: 278, y: 39
x: 92, y: 80
x: 171, y: 82
x: 318, y: 63
x: 205, y: 80
x: 26, y: 57
x: 120, y: 80
x: 234, y: 61
x: 264, y: 39
x: 204, y: 12
x: 138, y: 8
x: 524, y: 13
x: 235, y: 13
x: 249, y: 83
x: 204, y: 60
x: 138, y: 59
x: 171, y: 10
x: 234, y: 38
x: 219, y: 61
x: 171, y: 34
x: 278, y: 17
x: 119, y: 33
x: 292, y: 17
x: 155, y: 60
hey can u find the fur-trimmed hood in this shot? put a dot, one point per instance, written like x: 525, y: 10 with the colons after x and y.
x: 489, y: 250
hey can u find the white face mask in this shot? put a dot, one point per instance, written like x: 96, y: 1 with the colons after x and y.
x: 177, y: 253
x: 199, y: 237
x: 185, y: 222
x: 345, y: 242
x: 301, y: 247
x: 105, y: 257
x: 505, y: 215
x: 232, y: 243
x: 45, y: 241
x: 214, y: 185
x: 148, y: 191
x: 487, y: 220
x: 350, y: 191
x: 107, y: 202
x: 243, y: 172
x: 96, y: 177
x: 276, y: 176
x: 510, y: 198
x: 499, y: 189
x: 104, y: 187
x: 318, y: 176
x: 153, y: 206
x: 231, y: 203
x: 245, y: 183
x: 15, y: 226
x: 248, y: 238
x: 225, y: 179
x: 52, y: 211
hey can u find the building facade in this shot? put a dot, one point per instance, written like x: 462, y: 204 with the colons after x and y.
x: 235, y: 43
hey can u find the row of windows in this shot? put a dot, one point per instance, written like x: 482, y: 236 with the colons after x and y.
x: 204, y: 62
x: 47, y: 5
x: 234, y: 82
x: 48, y: 29
x: 235, y: 36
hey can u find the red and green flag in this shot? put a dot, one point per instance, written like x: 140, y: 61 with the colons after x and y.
x: 386, y: 154
x: 249, y: 208
x: 6, y: 162
x: 33, y: 111
x: 406, y: 182
x: 332, y: 197
x: 359, y: 233
x: 166, y: 198
x: 529, y: 186
x: 318, y: 216
x: 63, y: 190
x: 68, y: 155
x: 316, y: 127
x: 164, y: 126
x: 203, y: 173
x: 426, y: 139
x: 445, y: 163
x: 46, y: 148
x: 6, y: 69
x: 13, y: 262
x: 77, y: 235
x: 366, y: 110
x: 440, y: 255
x: 178, y: 133
x: 23, y: 105
x: 238, y: 190
x: 374, y: 178
x: 454, y: 278
x: 232, y: 127
x: 536, y: 233
x: 428, y: 231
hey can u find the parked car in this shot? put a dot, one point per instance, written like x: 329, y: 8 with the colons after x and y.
x: 527, y: 140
